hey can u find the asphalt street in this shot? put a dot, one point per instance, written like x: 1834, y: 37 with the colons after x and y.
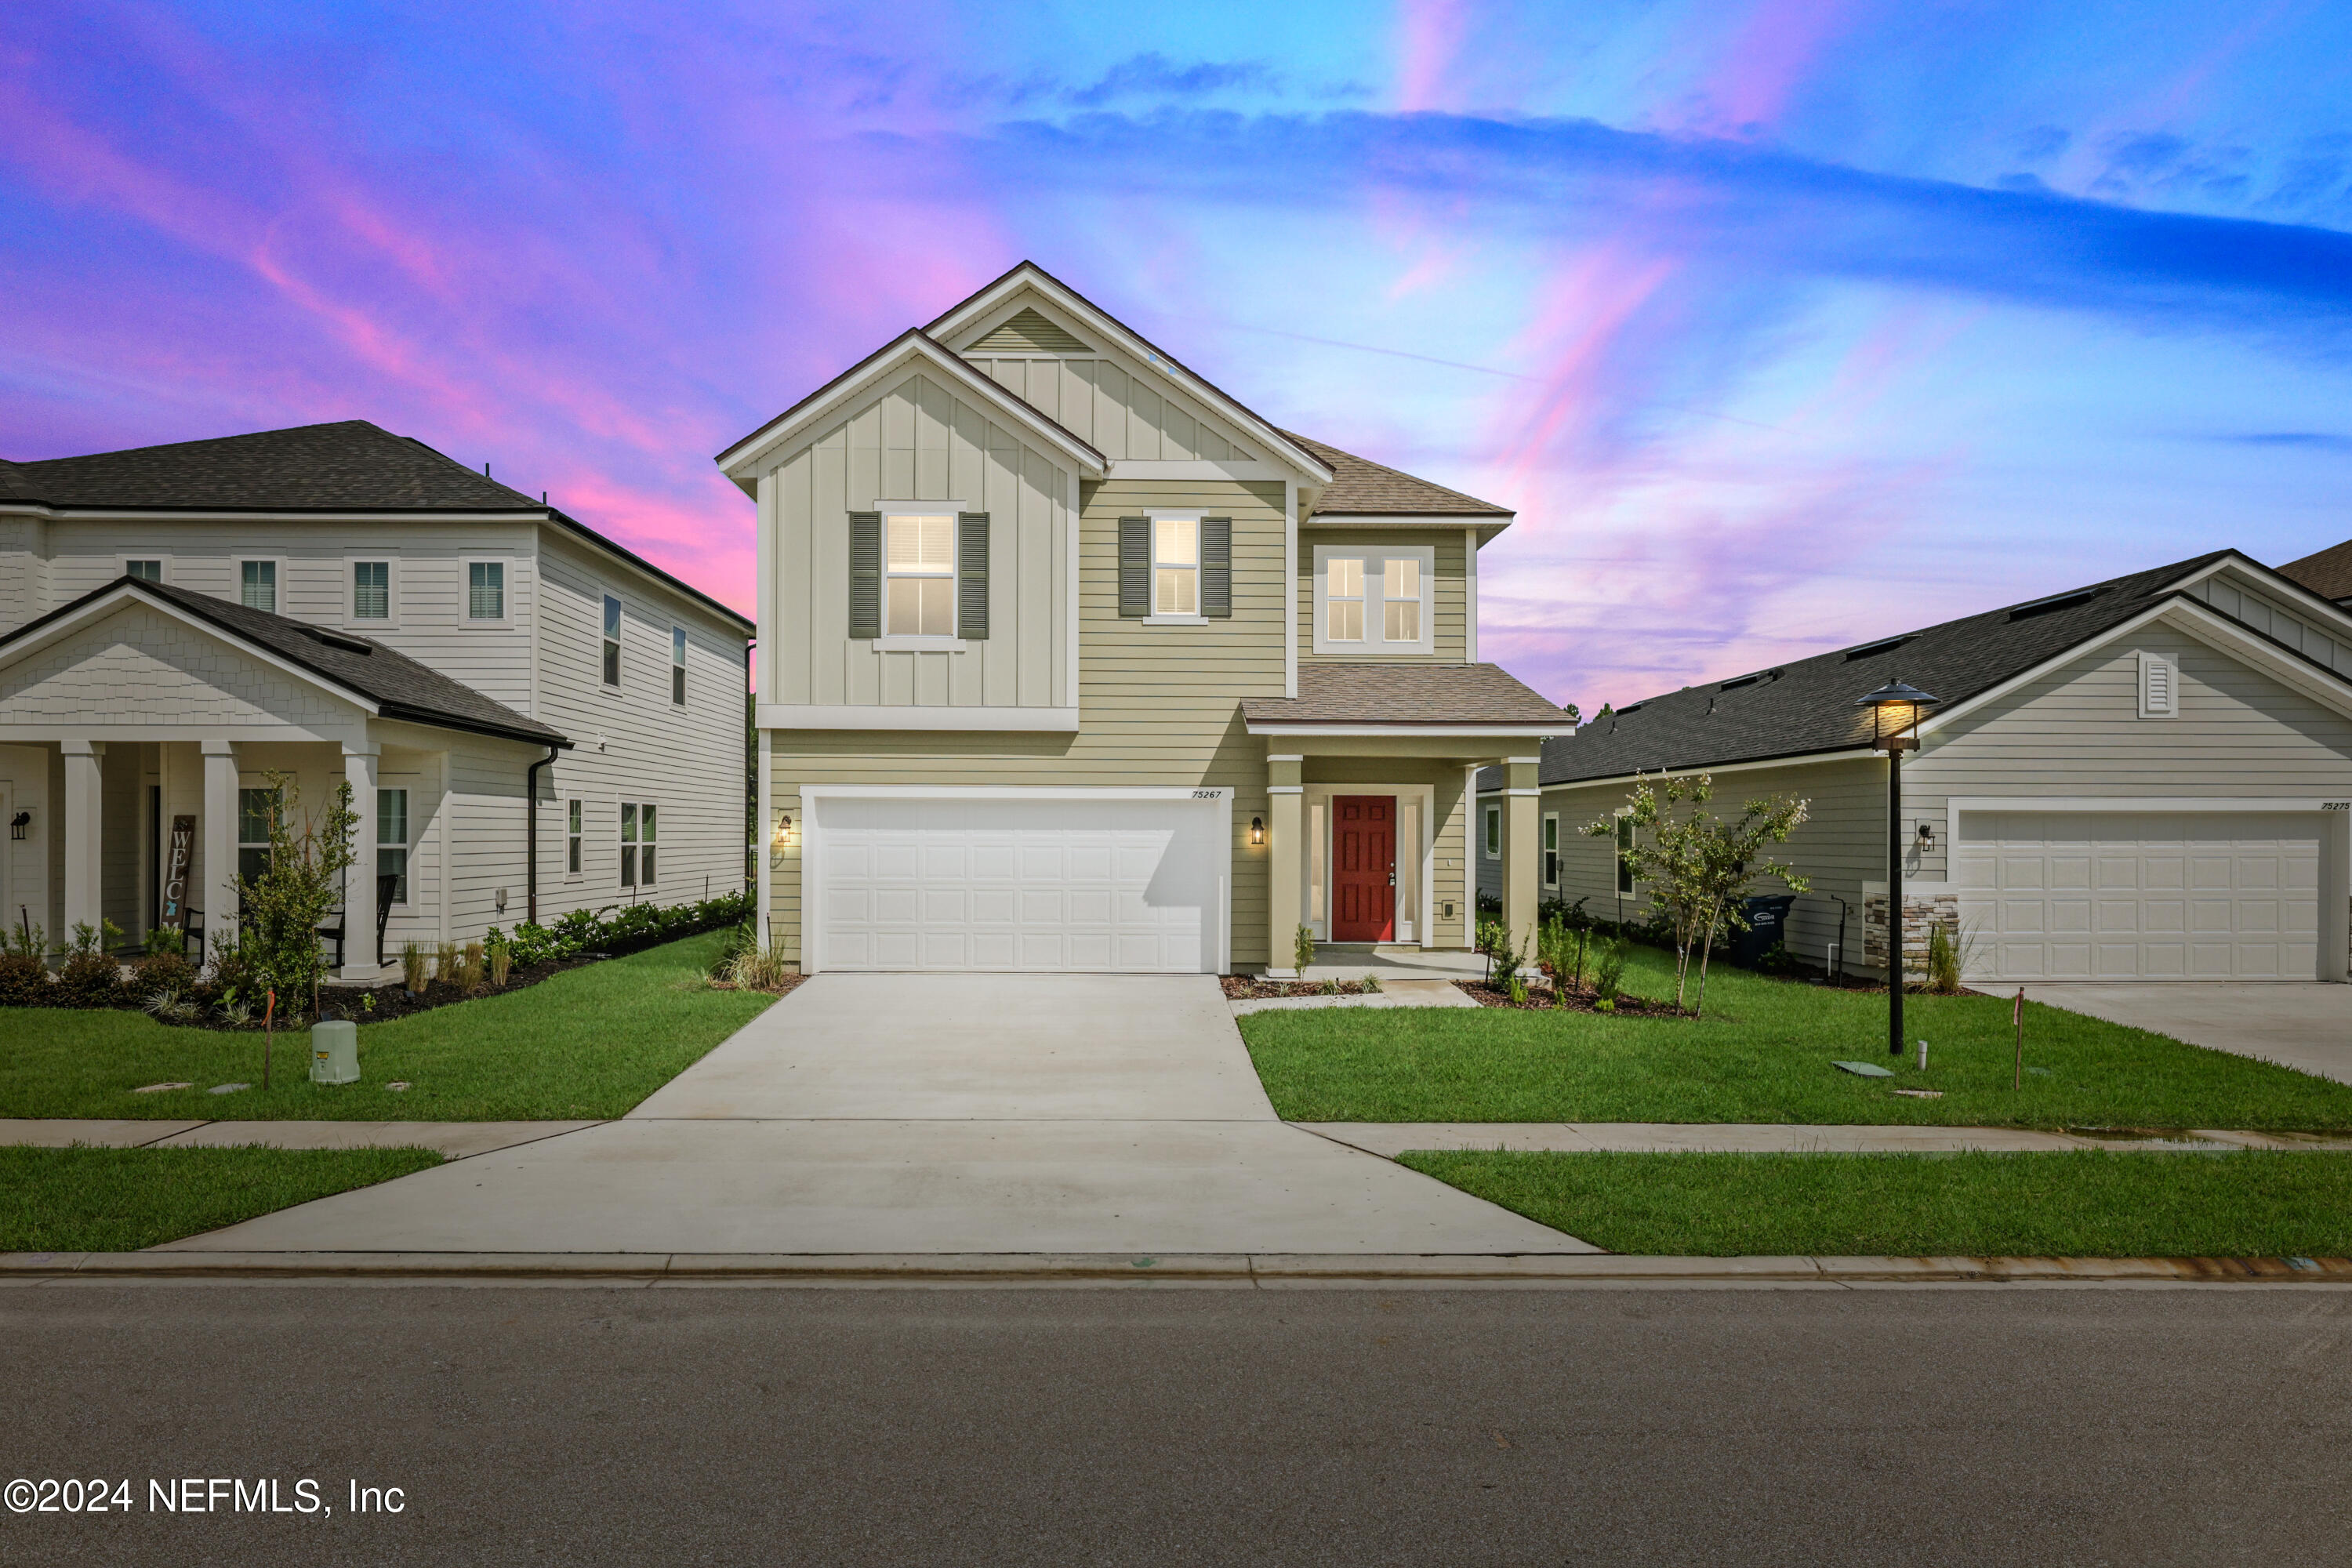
x: 1039, y: 1426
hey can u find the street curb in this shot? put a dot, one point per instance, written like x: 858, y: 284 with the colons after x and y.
x: 1276, y: 1270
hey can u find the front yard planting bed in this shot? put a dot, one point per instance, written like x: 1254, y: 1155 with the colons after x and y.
x: 588, y: 1043
x: 1764, y: 1052
x: 2090, y: 1205
x: 120, y: 1200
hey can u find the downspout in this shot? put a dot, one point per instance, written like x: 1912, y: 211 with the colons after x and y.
x: 530, y: 836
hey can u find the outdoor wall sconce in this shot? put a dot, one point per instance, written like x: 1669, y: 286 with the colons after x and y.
x: 1257, y: 831
x: 1894, y: 710
x: 1927, y: 839
x: 18, y: 824
x: 783, y: 830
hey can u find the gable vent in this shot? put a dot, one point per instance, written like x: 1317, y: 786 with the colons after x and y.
x: 2055, y: 602
x: 1028, y: 334
x: 2160, y: 687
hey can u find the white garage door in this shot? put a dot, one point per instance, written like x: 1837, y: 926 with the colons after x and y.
x: 1119, y: 886
x: 2140, y: 896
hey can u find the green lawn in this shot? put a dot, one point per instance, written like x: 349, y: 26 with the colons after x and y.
x: 118, y: 1200
x: 589, y: 1043
x: 2089, y: 1204
x: 1763, y: 1053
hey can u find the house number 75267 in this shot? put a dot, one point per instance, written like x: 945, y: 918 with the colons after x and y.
x: 1207, y: 794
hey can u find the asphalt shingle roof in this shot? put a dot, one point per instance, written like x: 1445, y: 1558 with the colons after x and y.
x: 1404, y: 694
x: 1808, y: 706
x: 348, y: 465
x: 399, y: 686
x: 1361, y: 488
x: 2326, y: 573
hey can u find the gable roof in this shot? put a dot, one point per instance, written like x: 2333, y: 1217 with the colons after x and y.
x: 397, y: 686
x: 1395, y: 695
x: 349, y: 465
x: 2326, y: 573
x: 1807, y: 707
x: 1029, y: 275
x: 913, y: 344
x: 1361, y: 488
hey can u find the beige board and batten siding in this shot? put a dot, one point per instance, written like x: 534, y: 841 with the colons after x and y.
x: 1448, y: 599
x: 1160, y: 705
x: 631, y: 742
x: 1125, y: 412
x: 916, y: 441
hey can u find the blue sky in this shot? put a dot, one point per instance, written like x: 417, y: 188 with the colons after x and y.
x: 1784, y: 325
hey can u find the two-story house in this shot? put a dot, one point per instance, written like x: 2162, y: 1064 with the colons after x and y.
x: 1067, y: 661
x: 532, y: 719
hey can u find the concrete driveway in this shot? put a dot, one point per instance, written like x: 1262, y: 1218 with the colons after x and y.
x: 916, y: 1114
x: 2304, y: 1026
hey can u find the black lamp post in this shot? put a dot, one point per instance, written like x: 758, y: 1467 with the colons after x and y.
x: 1895, y: 730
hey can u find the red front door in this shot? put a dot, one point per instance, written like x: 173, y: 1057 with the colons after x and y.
x: 1363, y: 868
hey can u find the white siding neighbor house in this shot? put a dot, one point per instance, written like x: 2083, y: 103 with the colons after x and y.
x: 532, y: 719
x: 2147, y: 779
x: 1068, y: 660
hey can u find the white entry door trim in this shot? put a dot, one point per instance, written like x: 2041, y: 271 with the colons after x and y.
x: 814, y: 845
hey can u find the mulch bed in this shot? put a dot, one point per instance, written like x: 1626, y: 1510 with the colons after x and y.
x: 1249, y: 988
x: 1538, y: 1001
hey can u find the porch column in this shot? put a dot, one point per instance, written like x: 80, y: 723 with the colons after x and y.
x: 85, y: 808
x: 360, y: 961
x: 1286, y: 845
x: 217, y: 892
x: 1522, y: 851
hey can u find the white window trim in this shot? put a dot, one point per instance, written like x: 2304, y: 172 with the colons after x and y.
x: 916, y: 642
x: 580, y: 804
x: 680, y: 644
x: 1550, y: 831
x: 407, y: 845
x: 637, y: 844
x: 1183, y: 514
x: 1617, y: 855
x: 1490, y: 831
x: 122, y: 565
x: 465, y: 564
x: 619, y: 639
x: 351, y: 621
x: 236, y: 580
x: 1375, y: 619
x: 2148, y: 662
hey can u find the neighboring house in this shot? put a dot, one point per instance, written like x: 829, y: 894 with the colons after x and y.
x: 343, y: 604
x: 2146, y: 779
x: 1070, y: 661
x: 2326, y: 573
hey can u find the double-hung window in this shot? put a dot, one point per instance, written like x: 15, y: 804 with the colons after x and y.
x: 638, y: 832
x: 370, y: 590
x: 1343, y: 599
x: 678, y: 666
x: 571, y: 837
x: 256, y: 584
x: 1401, y: 600
x: 147, y: 571
x: 256, y: 810
x: 485, y: 590
x: 611, y: 640
x: 1175, y: 565
x: 1373, y: 600
x: 918, y: 567
x: 392, y: 842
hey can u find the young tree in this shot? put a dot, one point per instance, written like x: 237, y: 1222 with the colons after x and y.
x: 1697, y: 866
x: 283, y: 907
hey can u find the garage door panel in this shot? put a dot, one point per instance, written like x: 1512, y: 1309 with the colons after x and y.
x: 2118, y: 896
x: 1062, y: 884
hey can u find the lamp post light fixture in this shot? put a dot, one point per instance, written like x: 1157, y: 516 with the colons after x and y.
x: 1894, y: 710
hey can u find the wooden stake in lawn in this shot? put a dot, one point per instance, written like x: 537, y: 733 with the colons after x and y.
x: 268, y: 1036
x: 2017, y: 1016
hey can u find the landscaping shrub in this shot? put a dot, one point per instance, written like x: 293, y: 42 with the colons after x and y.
x: 90, y: 980
x: 163, y: 971
x: 24, y: 980
x: 632, y: 929
x: 412, y: 966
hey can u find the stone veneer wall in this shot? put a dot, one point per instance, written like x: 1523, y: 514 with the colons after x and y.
x: 1920, y: 913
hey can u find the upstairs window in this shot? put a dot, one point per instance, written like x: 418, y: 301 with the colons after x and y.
x: 256, y: 584
x: 370, y: 590
x: 678, y: 666
x: 1176, y: 566
x: 1343, y: 599
x: 1401, y: 601
x: 611, y: 640
x: 919, y: 587
x: 485, y: 590
x: 145, y: 571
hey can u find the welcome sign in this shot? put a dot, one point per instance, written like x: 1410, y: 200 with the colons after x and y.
x: 175, y: 873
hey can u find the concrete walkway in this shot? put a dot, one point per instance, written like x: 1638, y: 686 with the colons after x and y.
x: 914, y: 1114
x: 2305, y: 1026
x: 1389, y: 1138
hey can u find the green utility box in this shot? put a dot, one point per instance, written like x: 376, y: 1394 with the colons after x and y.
x: 335, y: 1052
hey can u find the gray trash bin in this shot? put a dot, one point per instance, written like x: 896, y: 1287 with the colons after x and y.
x: 335, y: 1051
